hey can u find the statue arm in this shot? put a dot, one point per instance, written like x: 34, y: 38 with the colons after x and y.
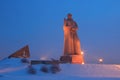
x: 75, y: 27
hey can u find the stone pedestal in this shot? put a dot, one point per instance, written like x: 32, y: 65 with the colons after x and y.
x: 77, y: 59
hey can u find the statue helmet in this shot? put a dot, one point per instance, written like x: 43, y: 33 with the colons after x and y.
x: 69, y: 14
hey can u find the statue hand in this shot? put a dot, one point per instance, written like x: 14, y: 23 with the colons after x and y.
x: 74, y: 28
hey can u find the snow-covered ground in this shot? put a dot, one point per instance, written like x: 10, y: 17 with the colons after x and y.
x: 14, y: 69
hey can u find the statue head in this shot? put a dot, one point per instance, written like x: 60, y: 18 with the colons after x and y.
x: 69, y: 16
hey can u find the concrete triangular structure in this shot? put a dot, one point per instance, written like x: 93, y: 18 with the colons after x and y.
x: 22, y: 53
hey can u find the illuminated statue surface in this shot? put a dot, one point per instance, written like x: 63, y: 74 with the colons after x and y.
x: 71, y: 40
x: 72, y: 47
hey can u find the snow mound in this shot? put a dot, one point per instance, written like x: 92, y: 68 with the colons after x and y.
x: 91, y: 70
x: 15, y: 69
x: 10, y: 65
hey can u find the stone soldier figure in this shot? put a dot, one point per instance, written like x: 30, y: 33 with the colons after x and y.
x: 72, y: 49
x: 71, y: 40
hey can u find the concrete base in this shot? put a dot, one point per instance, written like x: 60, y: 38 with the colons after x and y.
x: 77, y: 59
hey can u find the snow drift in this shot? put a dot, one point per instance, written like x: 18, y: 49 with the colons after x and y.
x: 14, y: 69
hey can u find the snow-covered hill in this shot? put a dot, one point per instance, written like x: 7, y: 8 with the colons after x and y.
x: 14, y: 69
x: 91, y: 70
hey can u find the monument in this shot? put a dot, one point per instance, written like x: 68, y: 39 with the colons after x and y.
x: 72, y: 48
x: 22, y: 53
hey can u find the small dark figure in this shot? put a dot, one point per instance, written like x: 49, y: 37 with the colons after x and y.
x: 55, y: 66
x: 44, y: 69
x: 54, y: 69
x: 31, y: 70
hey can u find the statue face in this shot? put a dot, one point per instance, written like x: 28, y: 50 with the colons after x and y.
x: 69, y: 16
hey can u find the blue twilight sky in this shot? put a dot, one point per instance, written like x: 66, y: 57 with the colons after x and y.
x: 39, y: 23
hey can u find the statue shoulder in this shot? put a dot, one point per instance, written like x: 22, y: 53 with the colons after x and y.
x: 65, y: 21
